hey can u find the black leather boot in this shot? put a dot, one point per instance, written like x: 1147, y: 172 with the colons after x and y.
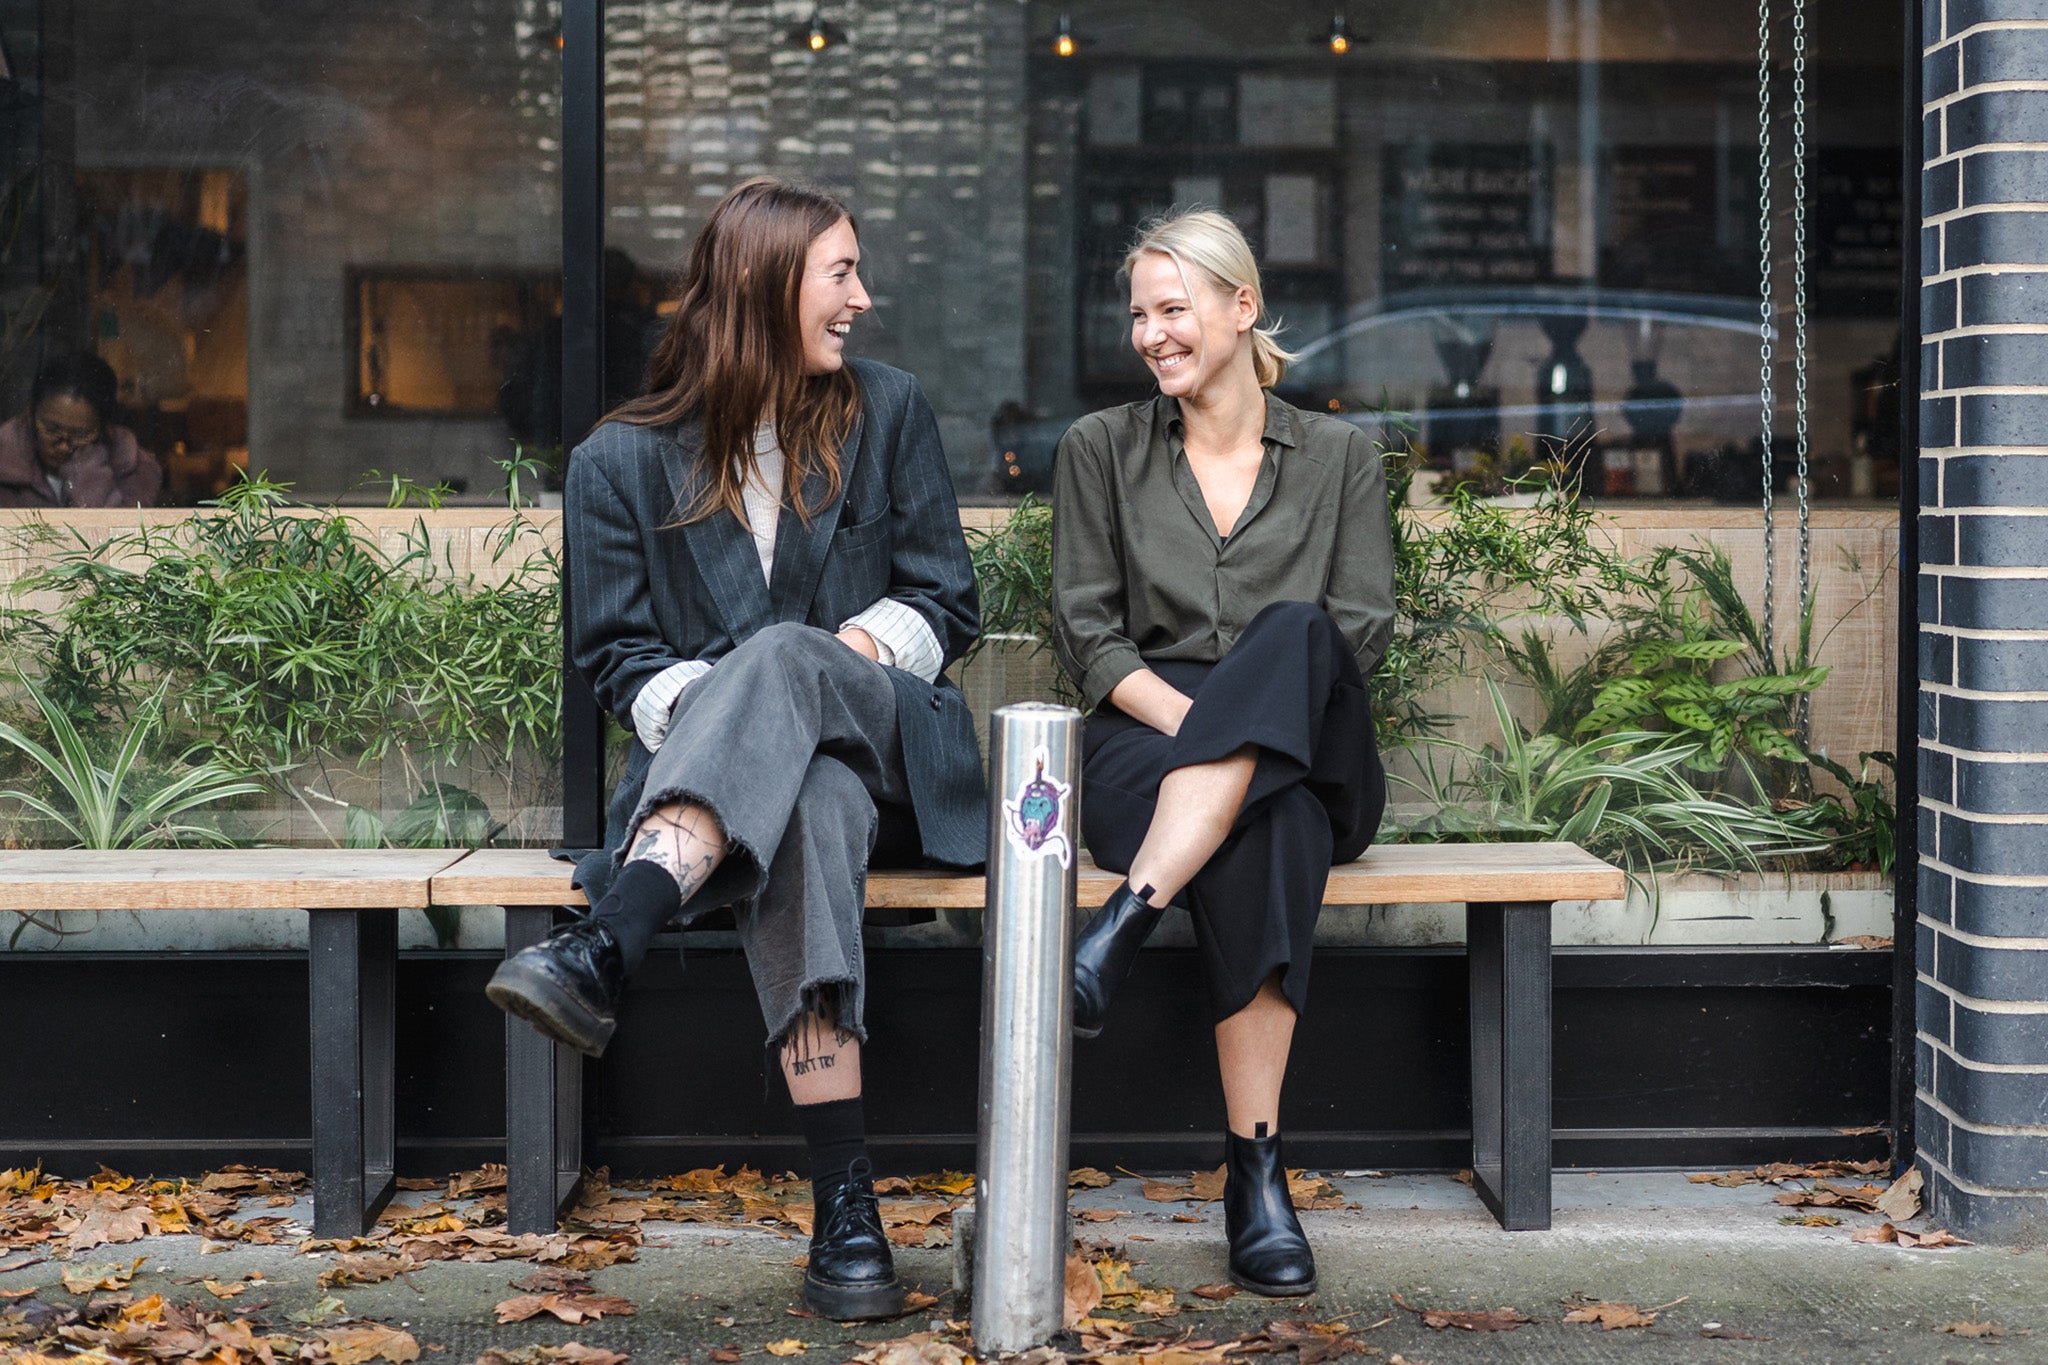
x: 851, y: 1274
x: 1269, y: 1253
x: 567, y: 985
x: 1104, y: 952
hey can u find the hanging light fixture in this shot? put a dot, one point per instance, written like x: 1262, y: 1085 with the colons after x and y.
x: 815, y: 34
x: 1338, y: 37
x: 1065, y: 42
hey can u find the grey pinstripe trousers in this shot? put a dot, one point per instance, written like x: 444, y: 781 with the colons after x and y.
x: 791, y: 742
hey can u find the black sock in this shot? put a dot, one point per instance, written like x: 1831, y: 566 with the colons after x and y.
x: 837, y: 1134
x: 644, y: 897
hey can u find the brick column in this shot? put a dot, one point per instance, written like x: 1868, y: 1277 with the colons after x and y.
x: 1982, y: 945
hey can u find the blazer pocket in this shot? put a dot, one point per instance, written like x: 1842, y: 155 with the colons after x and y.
x: 861, y: 535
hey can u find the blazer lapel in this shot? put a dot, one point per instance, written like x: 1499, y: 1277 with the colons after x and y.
x: 720, y: 545
x: 800, y: 550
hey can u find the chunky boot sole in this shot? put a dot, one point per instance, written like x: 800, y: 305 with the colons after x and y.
x: 853, y: 1302
x: 536, y: 997
x: 1273, y: 1291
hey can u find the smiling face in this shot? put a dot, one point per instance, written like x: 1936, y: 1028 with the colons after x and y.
x: 831, y: 297
x: 1188, y: 331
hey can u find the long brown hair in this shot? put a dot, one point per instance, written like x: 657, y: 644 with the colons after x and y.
x: 734, y: 351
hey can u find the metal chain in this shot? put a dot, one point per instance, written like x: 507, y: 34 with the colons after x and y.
x: 1765, y: 301
x: 1799, y: 710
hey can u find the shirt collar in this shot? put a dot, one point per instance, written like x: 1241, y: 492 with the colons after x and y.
x: 1283, y: 423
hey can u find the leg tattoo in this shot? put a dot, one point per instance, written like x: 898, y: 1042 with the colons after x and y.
x: 683, y: 839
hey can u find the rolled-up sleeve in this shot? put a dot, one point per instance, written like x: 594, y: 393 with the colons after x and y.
x: 1361, y: 592
x: 1089, y: 628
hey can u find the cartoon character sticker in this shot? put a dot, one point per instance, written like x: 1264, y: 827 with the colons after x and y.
x: 1034, y: 819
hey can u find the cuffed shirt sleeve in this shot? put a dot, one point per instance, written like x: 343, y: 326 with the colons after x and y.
x: 657, y: 699
x: 1089, y: 629
x: 903, y: 637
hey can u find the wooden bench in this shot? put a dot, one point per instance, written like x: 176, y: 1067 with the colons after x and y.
x: 351, y: 898
x: 1508, y: 891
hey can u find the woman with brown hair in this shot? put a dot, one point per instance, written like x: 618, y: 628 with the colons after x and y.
x: 767, y: 577
x: 1223, y: 581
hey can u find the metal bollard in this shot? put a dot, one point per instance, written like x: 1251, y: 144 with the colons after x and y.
x: 1027, y: 975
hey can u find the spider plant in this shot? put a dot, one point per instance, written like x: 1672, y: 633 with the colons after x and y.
x: 115, y: 805
x: 1623, y: 796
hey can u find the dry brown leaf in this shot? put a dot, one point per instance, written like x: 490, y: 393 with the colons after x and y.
x: 1931, y: 1241
x: 788, y: 1346
x: 1185, y: 1218
x: 553, y: 1279
x: 486, y: 1179
x: 916, y: 1301
x: 1874, y: 942
x: 1087, y: 1178
x: 569, y: 1308
x: 726, y: 1355
x: 1083, y: 1292
x: 1877, y: 1236
x: 1216, y: 1291
x: 919, y: 1348
x: 371, y: 1341
x: 1973, y: 1330
x: 1468, y: 1320
x: 1612, y: 1316
x: 110, y: 1222
x: 1100, y: 1215
x: 1309, y: 1192
x: 223, y: 1291
x: 1207, y: 1185
x: 1810, y: 1220
x: 87, y: 1278
x: 1902, y: 1200
x: 366, y: 1268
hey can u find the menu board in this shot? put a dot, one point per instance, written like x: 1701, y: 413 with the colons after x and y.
x: 1666, y: 228
x: 1853, y: 232
x: 1464, y: 213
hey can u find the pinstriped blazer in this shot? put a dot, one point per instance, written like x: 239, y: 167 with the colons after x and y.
x: 645, y: 594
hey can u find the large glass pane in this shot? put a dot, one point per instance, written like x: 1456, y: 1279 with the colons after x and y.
x: 316, y: 250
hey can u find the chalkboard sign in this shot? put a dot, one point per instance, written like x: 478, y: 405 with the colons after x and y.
x: 1455, y: 213
x: 1853, y: 233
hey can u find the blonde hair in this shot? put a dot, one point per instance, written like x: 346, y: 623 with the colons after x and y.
x: 1215, y: 246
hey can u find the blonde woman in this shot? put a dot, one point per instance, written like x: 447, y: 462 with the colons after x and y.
x: 1223, y: 583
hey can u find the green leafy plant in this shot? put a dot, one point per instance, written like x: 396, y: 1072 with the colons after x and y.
x: 1670, y: 679
x: 115, y: 804
x: 285, y: 636
x: 1622, y: 796
x: 442, y: 816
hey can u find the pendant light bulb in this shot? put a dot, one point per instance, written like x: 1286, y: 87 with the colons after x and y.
x: 1063, y: 43
x: 1338, y: 37
x: 817, y: 37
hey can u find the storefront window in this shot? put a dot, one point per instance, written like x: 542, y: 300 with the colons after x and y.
x: 1530, y: 228
x: 310, y: 240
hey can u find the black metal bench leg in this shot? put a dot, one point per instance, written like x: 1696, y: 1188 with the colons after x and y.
x: 353, y: 969
x: 543, y: 1104
x: 1508, y: 959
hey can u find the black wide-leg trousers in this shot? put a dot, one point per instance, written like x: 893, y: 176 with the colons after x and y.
x: 1291, y: 686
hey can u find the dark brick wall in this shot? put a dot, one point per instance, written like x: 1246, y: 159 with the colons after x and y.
x: 1982, y: 950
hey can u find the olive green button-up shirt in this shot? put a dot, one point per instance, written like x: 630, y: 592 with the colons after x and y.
x: 1139, y: 573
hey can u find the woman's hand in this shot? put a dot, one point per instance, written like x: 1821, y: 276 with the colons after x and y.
x: 860, y: 642
x: 1152, y: 699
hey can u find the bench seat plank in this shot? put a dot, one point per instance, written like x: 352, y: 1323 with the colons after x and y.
x: 220, y: 879
x: 1396, y: 873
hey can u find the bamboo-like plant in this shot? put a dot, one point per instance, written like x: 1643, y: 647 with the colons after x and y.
x: 109, y: 806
